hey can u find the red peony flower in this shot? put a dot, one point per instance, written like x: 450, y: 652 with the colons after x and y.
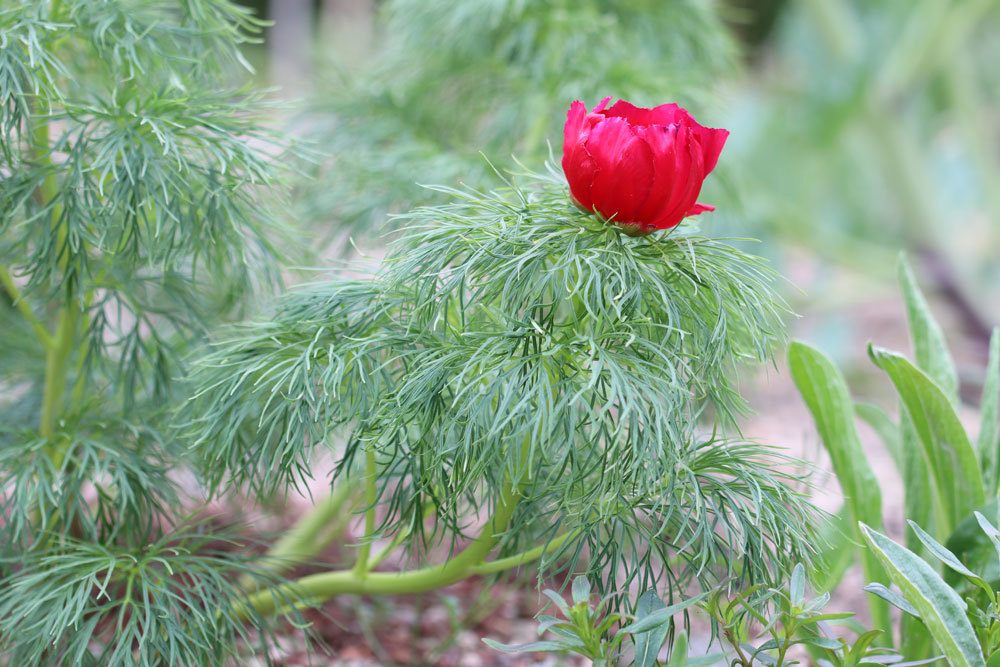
x: 642, y: 168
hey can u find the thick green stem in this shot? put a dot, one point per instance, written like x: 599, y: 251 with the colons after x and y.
x: 319, y: 587
x: 311, y: 533
x: 56, y: 365
x: 525, y: 557
x: 62, y: 344
x: 371, y: 497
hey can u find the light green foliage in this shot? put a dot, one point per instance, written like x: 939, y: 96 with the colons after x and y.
x: 989, y: 425
x: 591, y: 631
x: 134, y: 206
x: 844, y: 140
x: 172, y: 599
x: 514, y: 345
x: 422, y: 113
x: 943, y: 481
x: 825, y: 392
x: 930, y: 349
x: 770, y: 625
x: 952, y: 462
x: 964, y: 630
x: 760, y: 626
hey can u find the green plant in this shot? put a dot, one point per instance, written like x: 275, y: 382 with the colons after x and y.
x: 758, y: 626
x: 591, y: 631
x: 945, y: 476
x: 521, y: 361
x: 134, y: 194
x: 962, y: 616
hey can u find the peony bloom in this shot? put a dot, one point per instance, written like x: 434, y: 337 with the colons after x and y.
x: 642, y: 168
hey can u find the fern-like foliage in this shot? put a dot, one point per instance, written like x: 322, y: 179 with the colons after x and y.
x: 135, y: 186
x: 513, y: 338
x: 167, y: 603
x: 423, y: 109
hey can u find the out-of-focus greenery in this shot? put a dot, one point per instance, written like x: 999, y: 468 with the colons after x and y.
x: 872, y: 125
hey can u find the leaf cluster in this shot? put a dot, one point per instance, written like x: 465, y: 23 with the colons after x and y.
x: 173, y: 601
x: 758, y: 626
x: 135, y: 190
x: 513, y: 339
x: 947, y: 475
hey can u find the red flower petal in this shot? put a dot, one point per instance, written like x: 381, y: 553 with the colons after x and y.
x: 665, y: 114
x: 712, y: 141
x: 690, y: 170
x: 699, y: 208
x: 662, y: 141
x: 624, y: 170
x: 577, y: 164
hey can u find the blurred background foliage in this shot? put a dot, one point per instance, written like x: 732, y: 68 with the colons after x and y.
x: 859, y: 127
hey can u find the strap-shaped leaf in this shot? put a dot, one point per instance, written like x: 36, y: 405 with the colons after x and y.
x: 825, y: 393
x: 920, y: 501
x: 893, y: 598
x: 533, y: 647
x: 647, y: 644
x: 678, y: 654
x: 943, y: 554
x: 953, y: 464
x: 941, y: 609
x: 655, y: 618
x: 929, y: 345
x: 989, y: 425
x: 885, y: 427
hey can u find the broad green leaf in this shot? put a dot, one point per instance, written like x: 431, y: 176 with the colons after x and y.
x: 678, y: 654
x: 971, y: 545
x: 532, y: 647
x: 941, y: 609
x: 942, y: 553
x: 951, y: 459
x: 656, y: 618
x: 886, y: 429
x: 893, y: 598
x: 839, y: 550
x: 581, y: 590
x: 930, y: 348
x: 920, y: 500
x: 797, y: 587
x: 989, y: 425
x: 825, y: 393
x: 647, y: 644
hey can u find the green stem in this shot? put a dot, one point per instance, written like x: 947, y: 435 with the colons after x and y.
x: 305, y: 539
x: 56, y: 365
x: 371, y: 497
x: 7, y: 280
x: 519, y: 559
x: 57, y: 359
x: 319, y: 587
